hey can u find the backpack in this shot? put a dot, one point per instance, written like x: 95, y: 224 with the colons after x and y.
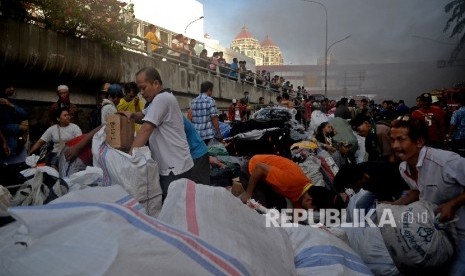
x: 96, y: 116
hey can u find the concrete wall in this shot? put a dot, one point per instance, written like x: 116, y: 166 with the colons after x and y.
x: 50, y: 59
x: 36, y: 61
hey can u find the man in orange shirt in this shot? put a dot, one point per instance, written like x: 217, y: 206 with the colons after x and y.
x: 285, y: 179
x: 282, y: 175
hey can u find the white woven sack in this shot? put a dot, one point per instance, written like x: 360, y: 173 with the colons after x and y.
x: 369, y: 244
x: 216, y: 216
x: 318, y: 252
x: 415, y: 241
x: 79, y: 238
x: 136, y: 173
x: 82, y: 179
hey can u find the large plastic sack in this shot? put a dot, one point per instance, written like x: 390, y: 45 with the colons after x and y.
x: 318, y: 252
x: 274, y: 119
x: 344, y: 133
x: 216, y: 216
x: 31, y: 161
x: 82, y: 179
x: 85, y: 238
x: 311, y: 167
x: 328, y: 169
x: 40, y: 189
x: 369, y: 244
x: 136, y: 173
x: 69, y: 167
x: 416, y: 242
x: 275, y: 141
x: 318, y: 117
x: 216, y: 148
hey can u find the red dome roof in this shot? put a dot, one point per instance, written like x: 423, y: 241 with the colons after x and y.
x: 244, y: 34
x: 267, y: 42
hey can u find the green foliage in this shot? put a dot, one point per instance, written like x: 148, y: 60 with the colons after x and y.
x: 457, y: 19
x: 98, y: 20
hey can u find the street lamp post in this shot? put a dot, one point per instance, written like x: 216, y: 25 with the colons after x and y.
x: 334, y: 43
x: 185, y: 30
x: 326, y: 43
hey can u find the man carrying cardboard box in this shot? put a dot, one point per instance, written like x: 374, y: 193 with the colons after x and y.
x: 163, y: 128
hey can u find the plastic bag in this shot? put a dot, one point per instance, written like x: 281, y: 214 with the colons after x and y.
x: 136, y: 173
x: 39, y: 190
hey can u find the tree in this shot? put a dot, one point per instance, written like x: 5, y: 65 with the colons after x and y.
x: 98, y: 20
x: 457, y: 10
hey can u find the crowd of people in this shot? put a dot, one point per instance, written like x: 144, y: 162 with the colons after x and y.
x: 404, y: 154
x: 183, y: 48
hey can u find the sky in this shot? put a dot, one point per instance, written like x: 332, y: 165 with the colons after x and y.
x: 381, y: 31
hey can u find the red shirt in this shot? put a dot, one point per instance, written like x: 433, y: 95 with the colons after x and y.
x: 86, y: 153
x: 435, y: 118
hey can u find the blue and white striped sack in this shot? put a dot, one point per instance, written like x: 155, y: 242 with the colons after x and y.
x: 216, y: 216
x: 96, y: 238
x: 318, y: 252
x: 136, y: 173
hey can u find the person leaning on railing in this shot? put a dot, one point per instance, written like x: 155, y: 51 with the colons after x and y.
x: 152, y: 40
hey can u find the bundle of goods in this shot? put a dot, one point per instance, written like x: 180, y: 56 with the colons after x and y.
x: 253, y: 124
x: 344, y: 134
x: 267, y: 141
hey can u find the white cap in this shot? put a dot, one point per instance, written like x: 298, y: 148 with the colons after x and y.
x: 434, y: 99
x: 62, y: 87
x: 234, y: 101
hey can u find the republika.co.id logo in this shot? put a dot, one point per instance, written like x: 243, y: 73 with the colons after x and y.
x: 338, y: 218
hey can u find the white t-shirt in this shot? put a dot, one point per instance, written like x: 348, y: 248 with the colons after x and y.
x: 108, y: 108
x: 175, y: 44
x: 168, y: 142
x: 67, y: 133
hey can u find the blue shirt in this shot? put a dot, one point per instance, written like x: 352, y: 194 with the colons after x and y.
x: 203, y: 107
x: 234, y: 68
x: 196, y: 145
x: 458, y: 119
x: 10, y: 119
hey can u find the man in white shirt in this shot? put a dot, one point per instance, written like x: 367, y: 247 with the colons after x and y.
x: 434, y: 175
x: 163, y: 128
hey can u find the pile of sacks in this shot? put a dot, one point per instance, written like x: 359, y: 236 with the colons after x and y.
x: 200, y: 230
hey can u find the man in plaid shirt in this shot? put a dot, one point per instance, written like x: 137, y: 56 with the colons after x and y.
x: 205, y: 114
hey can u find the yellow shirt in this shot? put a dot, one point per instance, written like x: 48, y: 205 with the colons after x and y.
x: 130, y: 106
x: 154, y: 39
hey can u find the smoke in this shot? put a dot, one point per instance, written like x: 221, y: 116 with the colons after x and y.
x: 381, y: 31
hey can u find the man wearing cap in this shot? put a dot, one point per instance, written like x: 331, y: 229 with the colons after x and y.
x: 109, y: 104
x: 63, y: 102
x: 435, y: 118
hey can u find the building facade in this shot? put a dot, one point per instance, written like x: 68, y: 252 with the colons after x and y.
x: 266, y: 53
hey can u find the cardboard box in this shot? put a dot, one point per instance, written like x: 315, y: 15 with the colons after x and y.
x: 120, y: 132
